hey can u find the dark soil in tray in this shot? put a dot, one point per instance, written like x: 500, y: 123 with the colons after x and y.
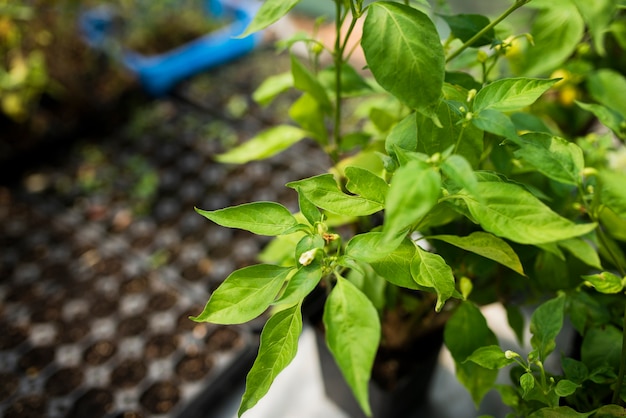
x: 103, y: 259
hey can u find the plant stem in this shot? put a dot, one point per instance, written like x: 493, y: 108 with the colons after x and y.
x: 622, y: 365
x: 338, y: 60
x: 470, y: 42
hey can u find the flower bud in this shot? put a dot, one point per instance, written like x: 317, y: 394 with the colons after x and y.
x: 307, y: 257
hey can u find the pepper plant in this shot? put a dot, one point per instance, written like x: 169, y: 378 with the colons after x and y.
x: 482, y: 201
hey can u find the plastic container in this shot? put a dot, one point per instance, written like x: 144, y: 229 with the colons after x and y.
x: 159, y: 73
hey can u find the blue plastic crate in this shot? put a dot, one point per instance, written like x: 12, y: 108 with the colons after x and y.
x: 159, y: 73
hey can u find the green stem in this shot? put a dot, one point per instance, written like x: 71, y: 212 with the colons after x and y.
x: 337, y: 58
x: 473, y: 39
x: 622, y: 366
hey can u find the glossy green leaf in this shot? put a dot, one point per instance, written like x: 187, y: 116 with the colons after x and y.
x: 301, y: 284
x: 371, y: 246
x: 509, y: 211
x: 266, y: 144
x: 366, y: 184
x: 413, y: 192
x: 605, y: 282
x: 566, y: 387
x: 352, y: 334
x: 269, y: 12
x: 609, y: 117
x: 511, y: 94
x: 556, y: 33
x: 582, y: 250
x: 490, y: 357
x: 558, y: 412
x: 465, y: 26
x: 244, y: 295
x: 465, y: 332
x: 495, y: 122
x: 545, y: 324
x: 486, y: 245
x: 608, y: 87
x: 305, y: 80
x: 261, y: 218
x: 459, y: 170
x: 324, y: 193
x: 613, y: 192
x: 408, y: 40
x: 431, y: 271
x: 279, y: 344
x: 555, y: 157
x: 271, y: 87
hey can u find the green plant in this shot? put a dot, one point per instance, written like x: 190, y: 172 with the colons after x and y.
x: 483, y: 201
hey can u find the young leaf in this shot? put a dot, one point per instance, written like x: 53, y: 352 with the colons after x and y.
x: 304, y: 80
x: 511, y: 94
x: 413, y: 192
x: 269, y: 12
x: 244, y: 295
x: 566, y: 387
x: 545, y: 324
x: 583, y: 251
x: 556, y: 158
x: 266, y: 144
x: 527, y: 383
x: 352, y: 334
x: 261, y: 218
x: 399, y: 34
x: 324, y: 193
x: 431, y: 271
x: 309, y: 210
x: 486, y: 245
x: 307, y: 113
x: 605, y: 282
x: 465, y: 26
x: 465, y: 332
x: 490, y: 357
x: 366, y: 184
x: 459, y: 170
x: 495, y: 122
x: 271, y: 87
x: 509, y: 211
x: 301, y: 284
x: 279, y: 344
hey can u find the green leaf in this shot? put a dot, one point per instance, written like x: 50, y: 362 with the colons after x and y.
x: 309, y: 210
x: 271, y: 87
x: 609, y: 117
x: 558, y: 412
x: 301, y: 284
x: 279, y: 344
x: 613, y: 192
x: 465, y: 26
x: 304, y: 80
x: 486, y: 245
x: 552, y: 156
x: 465, y: 332
x: 413, y: 192
x: 605, y: 282
x: 495, y: 122
x: 261, y: 218
x: 598, y: 15
x: 403, y: 135
x: 324, y: 193
x: 515, y: 318
x: 266, y: 144
x: 490, y: 357
x: 431, y: 271
x: 408, y: 40
x: 527, y: 383
x: 393, y: 266
x: 545, y: 324
x: 366, y: 184
x: 352, y: 334
x: 509, y: 211
x: 244, y: 295
x: 556, y: 33
x: 583, y: 251
x: 566, y: 387
x: 269, y: 12
x: 511, y: 94
x: 608, y: 87
x: 352, y: 83
x: 307, y: 113
x: 574, y: 370
x: 459, y: 170
x: 610, y: 411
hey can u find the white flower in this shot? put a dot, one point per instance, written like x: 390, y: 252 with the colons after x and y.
x: 307, y: 257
